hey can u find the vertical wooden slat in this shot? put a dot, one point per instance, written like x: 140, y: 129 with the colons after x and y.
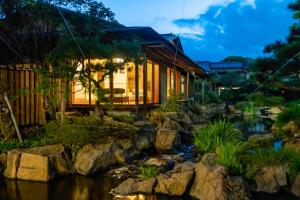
x: 27, y: 98
x: 36, y: 99
x: 23, y: 106
x: 32, y: 99
x: 41, y: 109
x: 17, y: 77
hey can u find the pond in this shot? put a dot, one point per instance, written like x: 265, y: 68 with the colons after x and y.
x: 96, y: 187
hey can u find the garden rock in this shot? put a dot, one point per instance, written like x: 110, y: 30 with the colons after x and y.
x: 267, y: 139
x: 157, y: 162
x: 35, y: 168
x: 119, y: 156
x: 293, y: 144
x: 238, y: 189
x: 213, y: 183
x: 210, y: 180
x: 92, y: 158
x: 133, y: 186
x: 171, y: 124
x: 143, y: 143
x: 59, y: 156
x: 296, y: 186
x: 270, y: 179
x: 3, y: 159
x: 12, y: 164
x: 166, y: 140
x: 176, y: 182
x: 275, y: 110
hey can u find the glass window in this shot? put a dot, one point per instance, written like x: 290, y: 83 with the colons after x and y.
x: 141, y: 84
x: 124, y: 85
x: 156, y: 83
x: 149, y: 82
x: 183, y: 84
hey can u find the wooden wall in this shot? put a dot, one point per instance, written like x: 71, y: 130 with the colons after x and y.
x: 27, y: 102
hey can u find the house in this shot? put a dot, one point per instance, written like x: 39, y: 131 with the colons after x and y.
x: 144, y: 86
x: 226, y: 74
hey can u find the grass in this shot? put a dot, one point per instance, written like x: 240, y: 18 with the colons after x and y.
x: 85, y: 130
x: 148, y: 171
x: 262, y: 157
x: 126, y: 118
x: 207, y: 139
x: 227, y: 156
x: 290, y: 114
x: 6, y: 146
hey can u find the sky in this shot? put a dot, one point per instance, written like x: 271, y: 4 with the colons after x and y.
x: 211, y: 30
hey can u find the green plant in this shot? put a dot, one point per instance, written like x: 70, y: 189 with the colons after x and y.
x: 259, y: 99
x: 227, y: 156
x: 290, y: 114
x: 173, y: 102
x: 6, y: 146
x: 214, y: 135
x: 126, y: 118
x: 85, y: 130
x: 261, y: 157
x: 148, y: 171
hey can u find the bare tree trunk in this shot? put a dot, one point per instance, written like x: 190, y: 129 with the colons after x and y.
x: 13, y: 117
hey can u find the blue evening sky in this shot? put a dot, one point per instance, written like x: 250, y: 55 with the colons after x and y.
x: 211, y: 29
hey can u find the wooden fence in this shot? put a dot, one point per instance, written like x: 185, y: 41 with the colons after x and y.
x: 26, y: 102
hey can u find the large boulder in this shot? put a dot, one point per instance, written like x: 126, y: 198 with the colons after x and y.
x: 134, y: 186
x: 270, y: 179
x: 210, y: 180
x: 92, y: 158
x: 44, y: 162
x: 35, y: 168
x: 213, y: 183
x: 296, y: 186
x: 59, y: 156
x: 12, y: 164
x: 166, y: 140
x: 171, y: 124
x: 176, y: 182
x: 3, y: 158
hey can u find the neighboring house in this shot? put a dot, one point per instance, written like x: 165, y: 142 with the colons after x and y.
x: 144, y: 86
x: 224, y: 67
x: 226, y: 74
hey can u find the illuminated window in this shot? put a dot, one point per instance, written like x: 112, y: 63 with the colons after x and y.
x: 156, y: 83
x: 141, y: 84
x: 149, y: 82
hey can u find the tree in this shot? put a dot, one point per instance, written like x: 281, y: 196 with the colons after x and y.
x: 39, y: 33
x: 236, y: 59
x: 281, y: 69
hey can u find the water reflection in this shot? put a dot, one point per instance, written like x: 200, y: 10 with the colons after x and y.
x: 96, y: 187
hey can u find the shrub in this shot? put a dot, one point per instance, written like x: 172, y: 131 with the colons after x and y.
x: 207, y: 139
x: 227, y: 156
x: 261, y: 157
x: 173, y: 102
x: 6, y: 146
x: 294, y: 103
x: 84, y: 130
x: 148, y: 171
x: 259, y: 99
x: 126, y: 118
x: 290, y: 114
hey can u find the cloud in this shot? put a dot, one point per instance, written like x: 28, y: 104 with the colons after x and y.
x: 242, y: 27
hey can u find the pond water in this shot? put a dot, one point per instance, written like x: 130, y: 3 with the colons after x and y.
x: 96, y: 187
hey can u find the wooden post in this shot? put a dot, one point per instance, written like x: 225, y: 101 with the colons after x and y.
x: 13, y: 117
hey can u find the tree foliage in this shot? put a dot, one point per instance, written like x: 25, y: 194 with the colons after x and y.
x: 269, y: 69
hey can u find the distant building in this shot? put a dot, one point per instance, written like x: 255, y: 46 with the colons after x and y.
x: 223, y: 67
x: 226, y: 74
